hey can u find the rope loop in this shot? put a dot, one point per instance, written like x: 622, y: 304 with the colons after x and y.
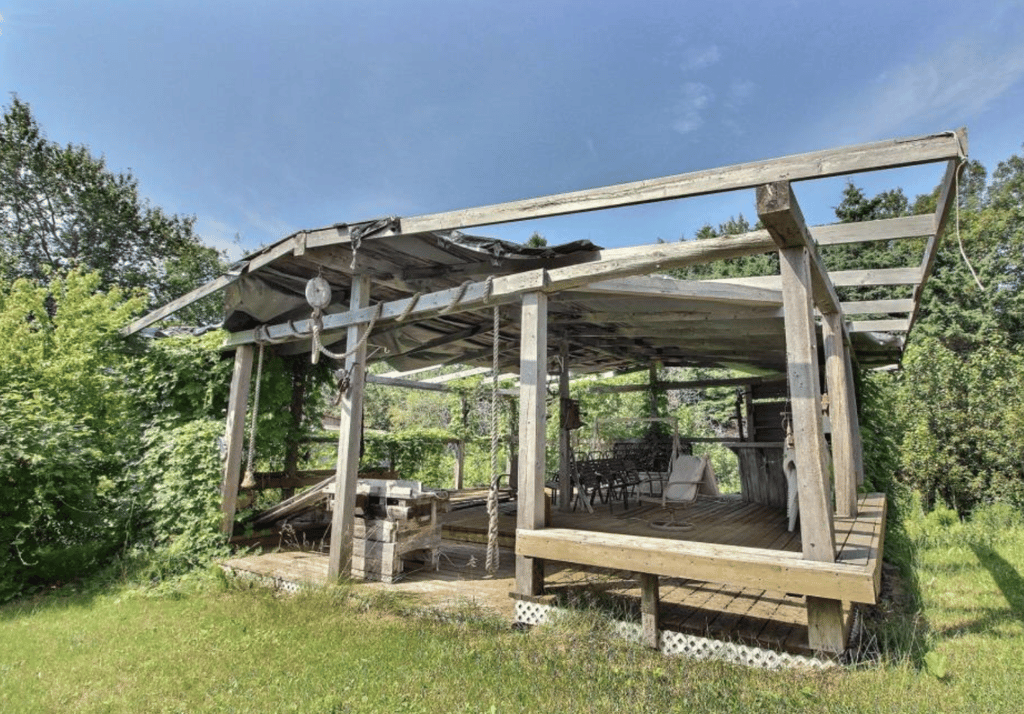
x: 410, y: 307
x: 457, y: 298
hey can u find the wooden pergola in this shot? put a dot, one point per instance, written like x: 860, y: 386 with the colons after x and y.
x: 428, y: 290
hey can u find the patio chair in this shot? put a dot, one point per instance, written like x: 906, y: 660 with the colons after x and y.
x: 689, y: 474
x: 587, y: 483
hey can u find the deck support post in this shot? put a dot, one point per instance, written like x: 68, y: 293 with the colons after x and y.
x: 649, y: 600
x: 564, y: 444
x: 804, y: 284
x: 349, y: 436
x: 234, y: 435
x: 826, y: 626
x: 533, y: 368
x: 842, y: 413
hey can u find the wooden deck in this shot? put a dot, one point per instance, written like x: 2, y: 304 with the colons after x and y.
x: 768, y: 617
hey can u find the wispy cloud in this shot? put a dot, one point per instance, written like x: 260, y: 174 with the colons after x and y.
x: 957, y: 83
x: 701, y: 57
x: 688, y: 111
x: 270, y: 230
x: 740, y: 91
x: 219, y: 235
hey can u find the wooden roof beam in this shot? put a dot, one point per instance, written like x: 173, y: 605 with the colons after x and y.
x: 781, y: 215
x: 689, y: 384
x: 947, y: 198
x: 887, y: 154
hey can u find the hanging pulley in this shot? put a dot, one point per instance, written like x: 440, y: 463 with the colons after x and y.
x: 318, y: 293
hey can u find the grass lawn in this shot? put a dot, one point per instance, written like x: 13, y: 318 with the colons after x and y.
x: 206, y: 644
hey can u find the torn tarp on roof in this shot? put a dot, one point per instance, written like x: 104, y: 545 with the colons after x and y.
x: 501, y: 249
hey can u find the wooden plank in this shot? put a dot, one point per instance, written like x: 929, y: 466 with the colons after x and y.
x: 878, y: 326
x: 407, y: 383
x: 819, y: 164
x: 706, y: 315
x: 296, y: 503
x: 532, y: 434
x: 867, y: 231
x: 688, y: 384
x: 177, y: 304
x: 631, y: 261
x: 840, y: 278
x: 462, y: 374
x: 349, y: 438
x: 234, y: 434
x: 775, y: 570
x: 877, y: 307
x: 842, y: 413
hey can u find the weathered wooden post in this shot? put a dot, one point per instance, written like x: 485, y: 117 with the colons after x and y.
x: 804, y: 282
x: 349, y: 435
x: 533, y: 369
x: 842, y: 413
x: 234, y: 435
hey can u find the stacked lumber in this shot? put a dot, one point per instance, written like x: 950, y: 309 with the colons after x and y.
x: 395, y: 521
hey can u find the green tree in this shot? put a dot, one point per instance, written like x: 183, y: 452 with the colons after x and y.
x: 975, y: 294
x: 67, y: 425
x: 746, y: 266
x: 61, y: 208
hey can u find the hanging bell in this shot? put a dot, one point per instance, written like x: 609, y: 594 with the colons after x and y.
x: 318, y: 293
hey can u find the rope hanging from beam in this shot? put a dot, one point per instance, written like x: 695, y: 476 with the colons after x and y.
x: 492, y: 494
x: 249, y: 481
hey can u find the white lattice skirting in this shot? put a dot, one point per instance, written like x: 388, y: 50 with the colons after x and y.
x: 677, y: 643
x: 279, y: 584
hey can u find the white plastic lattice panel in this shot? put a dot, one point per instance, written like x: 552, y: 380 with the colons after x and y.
x: 531, y: 613
x: 694, y: 647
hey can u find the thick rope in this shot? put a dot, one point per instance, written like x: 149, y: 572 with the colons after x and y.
x: 410, y: 307
x: 250, y: 478
x: 956, y: 203
x: 318, y: 326
x: 492, y: 495
x: 457, y: 298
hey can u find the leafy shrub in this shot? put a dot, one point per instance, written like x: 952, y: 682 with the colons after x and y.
x: 66, y: 422
x: 180, y: 476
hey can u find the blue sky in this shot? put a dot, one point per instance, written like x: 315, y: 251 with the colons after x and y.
x: 264, y: 118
